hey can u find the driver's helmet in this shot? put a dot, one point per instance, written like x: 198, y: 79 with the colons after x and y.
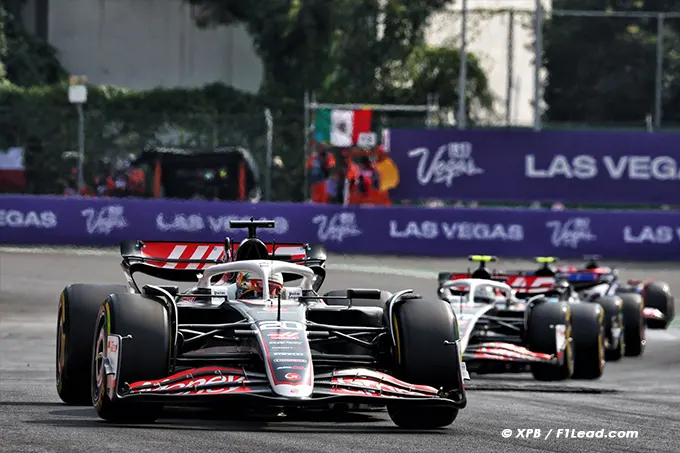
x: 560, y: 289
x: 249, y: 288
x: 485, y: 294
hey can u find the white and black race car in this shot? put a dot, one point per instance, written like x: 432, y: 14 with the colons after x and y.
x: 130, y: 350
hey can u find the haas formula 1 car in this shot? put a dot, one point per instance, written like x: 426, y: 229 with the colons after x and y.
x: 629, y: 309
x: 240, y: 338
x: 509, y: 323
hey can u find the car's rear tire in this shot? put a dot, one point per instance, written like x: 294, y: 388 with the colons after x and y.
x: 76, y: 320
x: 380, y: 303
x: 614, y: 327
x: 587, y: 321
x: 541, y: 337
x: 633, y: 324
x: 658, y: 295
x: 142, y: 322
x: 422, y: 356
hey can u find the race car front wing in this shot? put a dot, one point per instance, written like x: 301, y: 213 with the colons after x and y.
x: 352, y: 385
x: 652, y: 313
x: 508, y: 352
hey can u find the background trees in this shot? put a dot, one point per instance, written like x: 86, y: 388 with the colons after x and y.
x: 601, y: 71
x: 350, y: 50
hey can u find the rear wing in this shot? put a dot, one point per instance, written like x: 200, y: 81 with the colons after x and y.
x: 444, y: 277
x: 522, y: 283
x: 530, y: 284
x: 181, y: 261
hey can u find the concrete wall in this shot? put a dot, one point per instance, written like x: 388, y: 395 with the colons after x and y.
x: 488, y: 38
x: 142, y: 44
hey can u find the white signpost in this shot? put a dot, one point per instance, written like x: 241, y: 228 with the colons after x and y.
x: 77, y: 94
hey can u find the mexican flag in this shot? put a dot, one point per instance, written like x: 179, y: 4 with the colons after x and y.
x: 341, y: 128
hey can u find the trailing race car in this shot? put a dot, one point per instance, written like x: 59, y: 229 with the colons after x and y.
x: 597, y: 281
x: 534, y: 325
x: 626, y: 312
x: 249, y: 339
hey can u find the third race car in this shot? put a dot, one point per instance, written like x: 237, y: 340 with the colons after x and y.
x: 630, y: 308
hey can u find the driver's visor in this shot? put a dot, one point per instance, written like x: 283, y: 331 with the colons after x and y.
x: 274, y: 287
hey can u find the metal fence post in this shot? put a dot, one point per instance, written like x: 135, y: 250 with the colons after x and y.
x: 462, y: 75
x: 268, y: 161
x: 659, y: 71
x: 511, y: 74
x: 305, y: 190
x: 538, y: 64
x: 81, y: 146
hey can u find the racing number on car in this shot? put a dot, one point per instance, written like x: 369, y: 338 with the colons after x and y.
x: 284, y: 325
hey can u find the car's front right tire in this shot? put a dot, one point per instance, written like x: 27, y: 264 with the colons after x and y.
x: 426, y: 354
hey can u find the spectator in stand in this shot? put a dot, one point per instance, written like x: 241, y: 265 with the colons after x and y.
x: 369, y: 177
x: 320, y: 164
x: 353, y: 175
x: 105, y: 185
x: 121, y: 184
x: 71, y: 189
x: 335, y: 187
x: 136, y: 181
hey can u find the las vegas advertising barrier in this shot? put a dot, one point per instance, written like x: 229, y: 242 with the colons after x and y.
x: 526, y: 166
x: 363, y: 230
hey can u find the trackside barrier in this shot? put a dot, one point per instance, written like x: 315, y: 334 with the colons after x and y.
x: 441, y: 232
x: 584, y: 167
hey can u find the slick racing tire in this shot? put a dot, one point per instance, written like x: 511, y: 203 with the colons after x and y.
x: 76, y: 319
x: 614, y: 327
x: 587, y: 321
x: 541, y: 337
x: 422, y: 356
x: 633, y: 324
x: 144, y: 354
x: 357, y: 302
x: 658, y: 295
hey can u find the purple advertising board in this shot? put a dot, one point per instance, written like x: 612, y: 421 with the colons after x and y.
x: 524, y: 166
x: 414, y: 231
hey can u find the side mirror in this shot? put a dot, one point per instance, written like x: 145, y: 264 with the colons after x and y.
x: 227, y: 250
x: 319, y: 277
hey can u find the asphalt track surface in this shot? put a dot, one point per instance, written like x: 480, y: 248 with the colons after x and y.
x: 641, y: 395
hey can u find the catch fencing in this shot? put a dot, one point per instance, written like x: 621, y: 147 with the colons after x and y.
x: 620, y: 64
x: 51, y: 138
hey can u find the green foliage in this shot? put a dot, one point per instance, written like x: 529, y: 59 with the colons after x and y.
x: 3, y: 45
x: 292, y: 37
x: 345, y: 50
x: 27, y: 60
x: 119, y: 122
x: 429, y: 70
x: 601, y: 70
x: 348, y: 50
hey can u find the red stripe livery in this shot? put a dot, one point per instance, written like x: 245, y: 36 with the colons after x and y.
x: 158, y: 253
